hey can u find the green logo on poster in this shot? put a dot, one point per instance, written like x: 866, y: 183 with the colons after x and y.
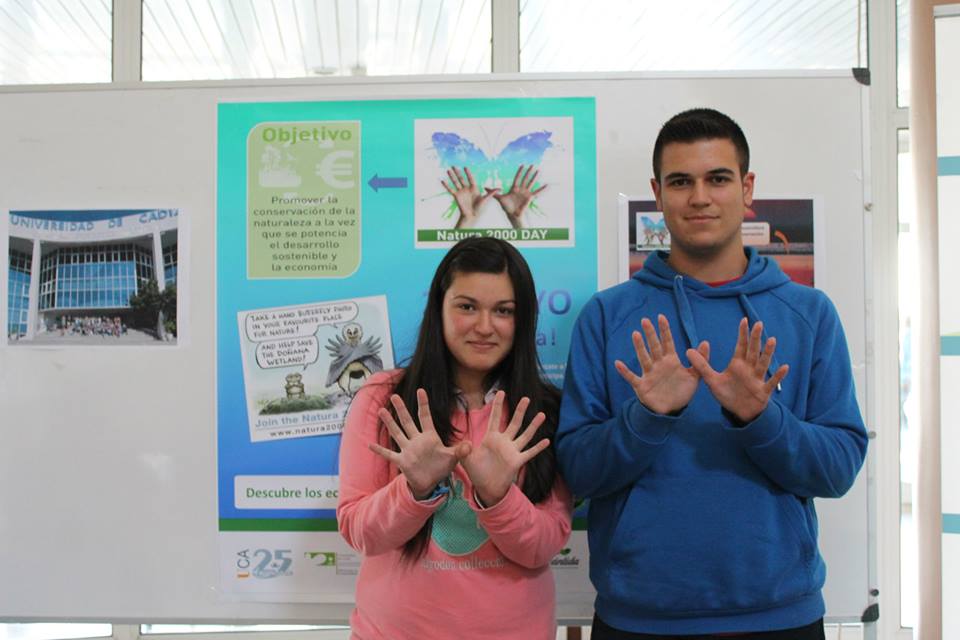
x: 323, y: 558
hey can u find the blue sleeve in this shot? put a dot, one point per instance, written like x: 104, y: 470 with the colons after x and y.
x: 602, y: 448
x: 819, y: 454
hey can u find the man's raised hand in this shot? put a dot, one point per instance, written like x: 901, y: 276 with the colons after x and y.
x: 743, y: 388
x: 665, y: 386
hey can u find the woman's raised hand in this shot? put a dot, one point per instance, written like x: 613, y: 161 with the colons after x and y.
x: 495, y: 463
x: 423, y: 458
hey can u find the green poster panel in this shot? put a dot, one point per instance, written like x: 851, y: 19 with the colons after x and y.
x: 303, y: 200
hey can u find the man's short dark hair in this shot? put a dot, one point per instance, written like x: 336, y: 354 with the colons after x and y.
x: 701, y: 124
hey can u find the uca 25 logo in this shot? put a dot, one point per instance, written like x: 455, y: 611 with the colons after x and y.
x: 264, y: 563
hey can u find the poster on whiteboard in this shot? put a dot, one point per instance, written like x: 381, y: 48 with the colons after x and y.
x: 331, y: 219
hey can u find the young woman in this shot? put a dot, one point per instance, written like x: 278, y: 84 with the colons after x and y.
x: 448, y: 482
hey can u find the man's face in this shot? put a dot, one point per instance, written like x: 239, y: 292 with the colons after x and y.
x: 703, y: 197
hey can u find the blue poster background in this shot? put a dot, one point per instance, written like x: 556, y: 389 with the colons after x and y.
x: 390, y: 265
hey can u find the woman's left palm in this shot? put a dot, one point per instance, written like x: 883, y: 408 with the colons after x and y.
x: 495, y: 463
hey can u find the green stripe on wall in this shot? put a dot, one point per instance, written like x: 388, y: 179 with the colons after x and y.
x: 278, y: 524
x: 948, y: 166
x: 950, y: 345
x: 311, y: 524
x: 951, y: 523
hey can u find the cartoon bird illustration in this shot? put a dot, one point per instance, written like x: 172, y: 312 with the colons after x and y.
x: 353, y: 361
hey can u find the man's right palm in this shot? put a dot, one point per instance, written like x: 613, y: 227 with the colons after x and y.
x: 665, y: 386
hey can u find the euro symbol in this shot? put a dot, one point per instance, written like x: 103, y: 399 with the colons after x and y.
x: 336, y: 169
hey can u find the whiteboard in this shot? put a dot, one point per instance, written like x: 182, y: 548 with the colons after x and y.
x: 108, y: 480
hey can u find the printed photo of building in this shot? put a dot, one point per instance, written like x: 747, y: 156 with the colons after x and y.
x: 92, y: 277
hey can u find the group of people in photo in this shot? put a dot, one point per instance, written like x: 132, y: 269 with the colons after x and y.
x: 708, y: 401
x: 100, y: 325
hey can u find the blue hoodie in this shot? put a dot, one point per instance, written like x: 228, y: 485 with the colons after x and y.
x: 697, y: 525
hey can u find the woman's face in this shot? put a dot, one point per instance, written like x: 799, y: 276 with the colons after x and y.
x: 478, y: 324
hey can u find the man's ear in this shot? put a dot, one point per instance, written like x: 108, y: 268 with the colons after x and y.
x: 748, y: 182
x: 656, y: 192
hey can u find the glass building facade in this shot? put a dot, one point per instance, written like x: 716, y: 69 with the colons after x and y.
x: 170, y: 265
x: 18, y: 293
x: 93, y: 277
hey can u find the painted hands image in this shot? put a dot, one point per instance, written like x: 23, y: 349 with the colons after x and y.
x: 514, y: 203
x: 491, y: 173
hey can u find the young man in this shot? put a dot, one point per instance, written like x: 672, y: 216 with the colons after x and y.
x: 702, y: 439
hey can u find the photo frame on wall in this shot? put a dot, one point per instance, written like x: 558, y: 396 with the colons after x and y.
x: 785, y: 229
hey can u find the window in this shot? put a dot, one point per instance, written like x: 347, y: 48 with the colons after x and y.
x: 903, y: 53
x: 64, y: 284
x: 170, y: 265
x: 221, y: 39
x: 52, y: 42
x: 622, y: 35
x: 18, y: 293
x: 909, y: 301
x: 50, y: 631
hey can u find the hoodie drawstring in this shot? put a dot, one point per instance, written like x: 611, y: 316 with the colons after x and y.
x: 690, y: 328
x: 685, y: 313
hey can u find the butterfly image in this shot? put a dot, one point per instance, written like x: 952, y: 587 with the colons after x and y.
x: 453, y: 150
x: 654, y: 230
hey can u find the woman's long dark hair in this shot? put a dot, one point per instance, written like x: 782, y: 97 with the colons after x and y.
x: 519, y: 374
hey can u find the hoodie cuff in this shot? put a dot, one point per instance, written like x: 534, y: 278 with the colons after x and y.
x: 506, y: 504
x: 408, y: 504
x: 763, y: 429
x: 652, y: 428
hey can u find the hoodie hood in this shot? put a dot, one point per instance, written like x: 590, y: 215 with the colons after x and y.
x: 762, y: 274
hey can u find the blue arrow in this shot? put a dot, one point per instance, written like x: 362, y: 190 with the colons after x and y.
x: 387, y: 183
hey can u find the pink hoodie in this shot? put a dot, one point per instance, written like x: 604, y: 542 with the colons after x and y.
x: 486, y: 572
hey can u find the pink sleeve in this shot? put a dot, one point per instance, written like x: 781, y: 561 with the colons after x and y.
x: 527, y: 533
x: 376, y: 512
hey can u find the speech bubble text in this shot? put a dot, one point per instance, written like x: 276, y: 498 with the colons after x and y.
x: 295, y: 352
x: 299, y: 322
